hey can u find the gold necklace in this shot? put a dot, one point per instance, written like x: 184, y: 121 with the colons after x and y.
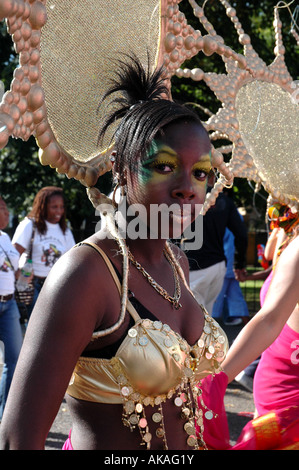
x: 174, y: 300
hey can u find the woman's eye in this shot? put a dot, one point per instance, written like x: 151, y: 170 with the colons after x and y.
x: 200, y: 175
x: 163, y: 167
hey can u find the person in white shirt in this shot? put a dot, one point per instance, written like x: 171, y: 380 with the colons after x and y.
x: 51, y: 237
x: 10, y: 327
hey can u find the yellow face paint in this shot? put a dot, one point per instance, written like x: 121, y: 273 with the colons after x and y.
x: 165, y: 163
x: 201, y: 170
x: 161, y: 165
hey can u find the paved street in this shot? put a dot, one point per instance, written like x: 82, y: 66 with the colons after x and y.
x: 238, y: 403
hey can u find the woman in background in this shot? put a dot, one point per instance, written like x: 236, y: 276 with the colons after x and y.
x: 46, y: 223
x: 274, y: 333
x: 10, y: 328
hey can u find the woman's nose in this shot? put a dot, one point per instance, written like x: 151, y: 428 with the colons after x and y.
x: 184, y: 193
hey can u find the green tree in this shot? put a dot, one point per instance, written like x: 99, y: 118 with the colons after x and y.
x: 22, y: 175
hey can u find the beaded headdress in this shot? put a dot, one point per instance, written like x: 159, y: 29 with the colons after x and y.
x: 65, y: 51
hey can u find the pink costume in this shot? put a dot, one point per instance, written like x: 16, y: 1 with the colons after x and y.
x: 276, y: 395
x: 68, y: 444
x: 275, y: 430
x: 276, y: 381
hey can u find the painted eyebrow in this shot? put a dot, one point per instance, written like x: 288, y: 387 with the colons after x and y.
x: 206, y: 158
x: 170, y: 153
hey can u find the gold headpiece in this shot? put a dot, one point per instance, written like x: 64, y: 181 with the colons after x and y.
x: 65, y: 48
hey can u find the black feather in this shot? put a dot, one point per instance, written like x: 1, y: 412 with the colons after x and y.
x: 133, y: 84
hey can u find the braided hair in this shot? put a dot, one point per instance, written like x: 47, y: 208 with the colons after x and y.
x: 144, y: 108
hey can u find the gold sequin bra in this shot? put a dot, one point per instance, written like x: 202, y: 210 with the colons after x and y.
x: 154, y: 364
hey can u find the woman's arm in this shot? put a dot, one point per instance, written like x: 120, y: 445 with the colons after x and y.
x: 22, y: 236
x: 266, y: 325
x: 19, y: 248
x: 257, y: 275
x: 67, y: 311
x: 276, y: 239
x: 271, y: 244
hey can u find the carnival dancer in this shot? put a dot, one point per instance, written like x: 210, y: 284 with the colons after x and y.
x: 274, y: 332
x: 120, y: 330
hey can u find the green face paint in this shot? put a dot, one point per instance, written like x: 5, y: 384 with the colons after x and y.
x: 162, y: 163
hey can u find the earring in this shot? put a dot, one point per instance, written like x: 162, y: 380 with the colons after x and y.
x: 118, y: 193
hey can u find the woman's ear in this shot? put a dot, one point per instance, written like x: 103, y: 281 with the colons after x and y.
x: 121, y: 178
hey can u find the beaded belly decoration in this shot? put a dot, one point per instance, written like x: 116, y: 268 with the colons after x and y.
x: 171, y: 369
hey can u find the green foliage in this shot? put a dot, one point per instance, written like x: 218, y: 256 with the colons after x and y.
x: 22, y: 175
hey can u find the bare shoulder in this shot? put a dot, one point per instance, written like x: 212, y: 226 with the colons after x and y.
x: 81, y: 281
x: 290, y: 256
x: 82, y: 260
x: 283, y: 289
x: 295, y: 245
x: 79, y: 263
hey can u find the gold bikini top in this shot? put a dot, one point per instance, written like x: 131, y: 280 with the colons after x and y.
x: 152, y: 365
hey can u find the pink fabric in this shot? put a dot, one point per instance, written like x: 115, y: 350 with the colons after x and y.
x: 288, y: 423
x: 252, y: 437
x: 276, y: 380
x: 216, y: 431
x: 68, y: 445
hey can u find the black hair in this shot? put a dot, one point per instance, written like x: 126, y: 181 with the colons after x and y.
x: 39, y: 208
x: 144, y: 106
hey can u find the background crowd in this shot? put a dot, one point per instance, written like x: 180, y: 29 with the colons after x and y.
x: 41, y: 237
